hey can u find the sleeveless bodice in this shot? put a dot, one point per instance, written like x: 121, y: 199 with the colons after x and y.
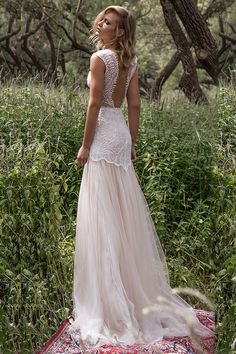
x: 112, y: 140
x: 111, y: 62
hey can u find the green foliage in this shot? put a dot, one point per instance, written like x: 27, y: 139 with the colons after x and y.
x: 37, y: 224
x: 186, y: 167
x: 31, y: 237
x: 188, y: 175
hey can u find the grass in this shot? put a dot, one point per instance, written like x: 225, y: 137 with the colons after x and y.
x: 186, y: 167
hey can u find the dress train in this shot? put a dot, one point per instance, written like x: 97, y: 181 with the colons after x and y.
x: 119, y: 265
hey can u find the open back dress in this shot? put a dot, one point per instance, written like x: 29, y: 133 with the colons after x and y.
x: 119, y: 263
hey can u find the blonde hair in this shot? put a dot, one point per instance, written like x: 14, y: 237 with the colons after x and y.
x: 125, y: 44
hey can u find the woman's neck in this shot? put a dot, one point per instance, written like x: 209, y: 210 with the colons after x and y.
x: 109, y: 47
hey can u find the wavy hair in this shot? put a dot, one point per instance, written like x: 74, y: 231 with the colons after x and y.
x: 125, y: 44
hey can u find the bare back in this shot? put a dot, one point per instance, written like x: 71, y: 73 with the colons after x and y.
x: 116, y: 79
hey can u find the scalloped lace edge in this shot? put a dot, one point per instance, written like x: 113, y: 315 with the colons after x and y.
x: 112, y: 162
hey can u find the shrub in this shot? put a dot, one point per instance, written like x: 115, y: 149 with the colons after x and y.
x: 186, y: 167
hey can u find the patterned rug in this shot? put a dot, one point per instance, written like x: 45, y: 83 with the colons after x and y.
x: 62, y: 342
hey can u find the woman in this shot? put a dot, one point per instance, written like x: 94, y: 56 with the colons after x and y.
x: 119, y: 264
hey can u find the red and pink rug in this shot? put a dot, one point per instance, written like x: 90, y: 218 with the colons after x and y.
x: 62, y: 342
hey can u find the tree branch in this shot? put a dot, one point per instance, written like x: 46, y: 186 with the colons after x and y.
x: 33, y: 31
x: 189, y: 81
x: 9, y: 35
x: 164, y: 75
x: 28, y: 51
x: 75, y: 20
x: 228, y: 38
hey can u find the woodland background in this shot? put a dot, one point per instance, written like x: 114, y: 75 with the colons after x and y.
x: 186, y: 152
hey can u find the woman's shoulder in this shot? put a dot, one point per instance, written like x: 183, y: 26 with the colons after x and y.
x: 109, y: 52
x: 105, y: 55
x: 102, y: 52
x: 110, y: 57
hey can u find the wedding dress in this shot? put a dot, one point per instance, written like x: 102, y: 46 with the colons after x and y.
x: 119, y: 263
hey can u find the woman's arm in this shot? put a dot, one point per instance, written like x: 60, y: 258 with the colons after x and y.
x: 97, y: 69
x: 134, y: 106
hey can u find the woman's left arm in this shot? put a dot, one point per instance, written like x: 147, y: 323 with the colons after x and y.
x: 97, y: 69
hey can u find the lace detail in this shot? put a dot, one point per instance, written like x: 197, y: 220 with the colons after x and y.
x: 111, y: 62
x: 112, y: 140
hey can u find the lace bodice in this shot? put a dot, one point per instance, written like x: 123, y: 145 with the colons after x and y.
x: 112, y: 140
x: 112, y: 79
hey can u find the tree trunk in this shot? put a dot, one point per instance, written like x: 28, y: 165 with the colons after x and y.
x: 203, y: 42
x: 164, y: 75
x: 214, y: 7
x: 189, y: 82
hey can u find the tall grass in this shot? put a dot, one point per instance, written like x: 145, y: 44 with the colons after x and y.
x: 186, y: 167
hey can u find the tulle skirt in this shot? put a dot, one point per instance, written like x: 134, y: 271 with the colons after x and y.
x: 120, y: 267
